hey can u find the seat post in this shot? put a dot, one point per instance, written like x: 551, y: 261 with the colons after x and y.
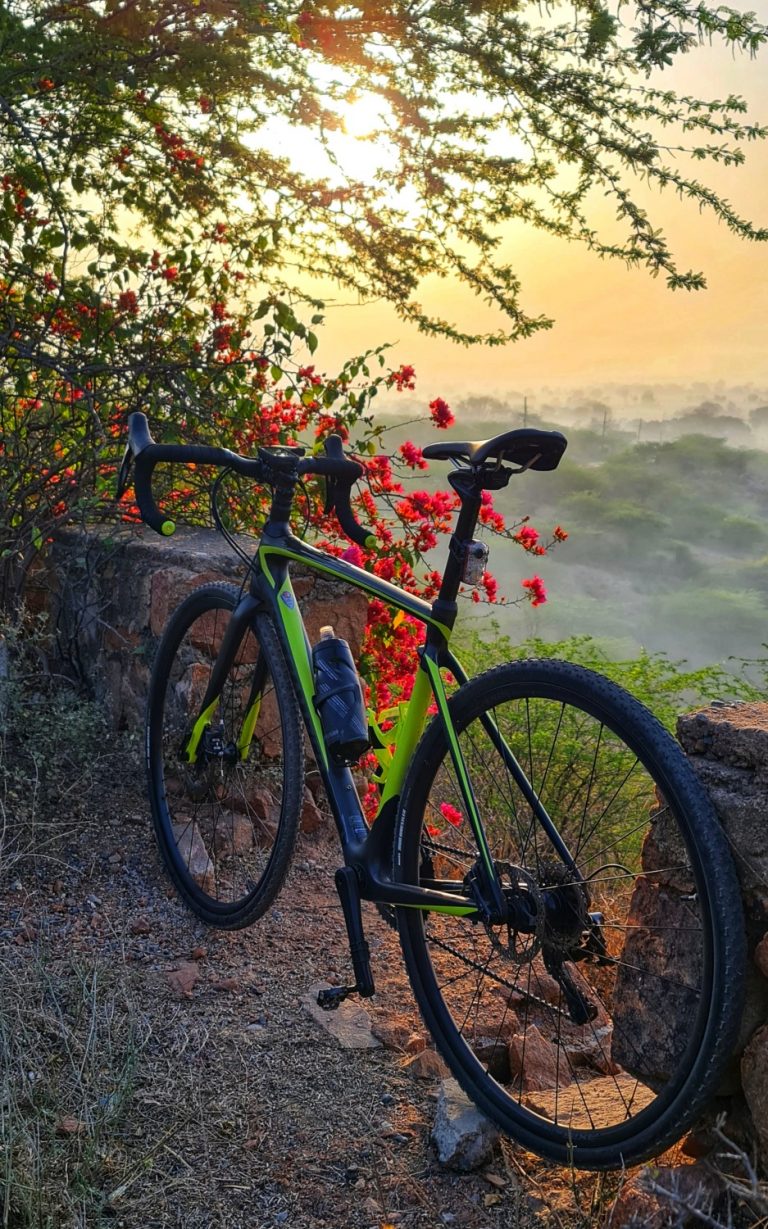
x: 469, y: 489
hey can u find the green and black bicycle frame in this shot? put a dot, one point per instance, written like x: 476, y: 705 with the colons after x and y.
x: 368, y: 852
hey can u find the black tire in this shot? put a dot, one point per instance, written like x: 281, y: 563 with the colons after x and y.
x: 666, y: 998
x: 226, y: 825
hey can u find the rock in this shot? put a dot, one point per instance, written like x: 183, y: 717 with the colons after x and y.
x: 734, y: 770
x: 658, y: 1198
x: 226, y: 984
x: 167, y: 587
x: 314, y: 783
x: 396, y: 1033
x: 233, y: 835
x: 183, y: 978
x: 192, y: 849
x: 464, y: 1138
x: 348, y: 617
x: 349, y: 1023
x: 493, y: 1053
x: 311, y: 816
x: 426, y: 1065
x: 264, y: 813
x: 761, y: 955
x: 268, y: 728
x: 589, y: 1103
x: 199, y: 953
x: 737, y: 734
x: 754, y: 1078
x: 68, y: 1126
x: 651, y: 1015
x: 535, y: 1063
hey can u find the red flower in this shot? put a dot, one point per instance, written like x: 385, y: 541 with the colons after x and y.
x: 45, y: 83
x: 49, y: 281
x: 412, y: 455
x: 559, y: 534
x: 451, y: 814
x: 128, y: 302
x: 205, y: 104
x: 170, y: 273
x: 527, y: 536
x: 222, y: 336
x: 491, y: 586
x: 218, y: 310
x: 403, y: 378
x: 536, y: 591
x: 353, y: 554
x: 440, y: 413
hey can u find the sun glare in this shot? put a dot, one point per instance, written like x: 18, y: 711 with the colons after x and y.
x: 365, y: 115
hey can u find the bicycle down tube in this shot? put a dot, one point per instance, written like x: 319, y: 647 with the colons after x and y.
x: 368, y: 850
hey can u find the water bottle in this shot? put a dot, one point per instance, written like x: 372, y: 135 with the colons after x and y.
x: 339, y: 699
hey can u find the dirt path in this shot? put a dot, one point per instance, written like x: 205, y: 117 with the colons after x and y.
x: 132, y: 1101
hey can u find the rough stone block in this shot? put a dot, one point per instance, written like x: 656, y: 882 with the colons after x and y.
x: 464, y: 1138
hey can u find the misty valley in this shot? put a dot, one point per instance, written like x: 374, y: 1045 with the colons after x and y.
x: 667, y: 515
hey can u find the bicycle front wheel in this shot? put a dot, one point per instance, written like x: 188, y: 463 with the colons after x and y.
x: 226, y: 790
x: 596, y: 1031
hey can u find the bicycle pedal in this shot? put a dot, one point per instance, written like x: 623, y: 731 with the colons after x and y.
x: 330, y: 999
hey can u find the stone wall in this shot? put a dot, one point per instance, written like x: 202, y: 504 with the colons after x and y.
x: 727, y: 746
x: 109, y: 596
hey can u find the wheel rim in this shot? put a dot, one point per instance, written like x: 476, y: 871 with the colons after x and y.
x: 608, y: 1079
x: 220, y: 813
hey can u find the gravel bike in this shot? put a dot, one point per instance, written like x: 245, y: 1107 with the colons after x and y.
x: 566, y: 902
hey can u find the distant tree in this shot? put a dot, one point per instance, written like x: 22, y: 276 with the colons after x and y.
x: 483, y: 405
x: 705, y: 409
x: 759, y: 418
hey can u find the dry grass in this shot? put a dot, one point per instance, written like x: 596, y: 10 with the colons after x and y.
x: 71, y: 1037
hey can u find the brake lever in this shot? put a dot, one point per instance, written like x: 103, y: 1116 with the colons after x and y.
x: 124, y: 472
x: 330, y: 494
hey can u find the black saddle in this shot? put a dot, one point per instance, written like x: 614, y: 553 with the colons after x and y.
x: 526, y: 446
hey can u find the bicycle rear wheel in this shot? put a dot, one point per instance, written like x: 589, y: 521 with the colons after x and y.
x: 595, y: 1034
x: 226, y: 822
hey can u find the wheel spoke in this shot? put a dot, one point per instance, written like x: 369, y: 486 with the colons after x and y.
x: 226, y: 820
x: 591, y: 1014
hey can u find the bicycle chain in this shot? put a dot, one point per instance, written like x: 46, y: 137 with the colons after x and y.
x: 481, y: 968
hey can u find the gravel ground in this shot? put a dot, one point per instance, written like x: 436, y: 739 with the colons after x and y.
x: 136, y: 1096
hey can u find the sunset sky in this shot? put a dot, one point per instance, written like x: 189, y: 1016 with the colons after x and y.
x: 613, y: 324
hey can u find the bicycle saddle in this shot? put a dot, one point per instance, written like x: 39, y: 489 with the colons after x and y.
x: 525, y: 446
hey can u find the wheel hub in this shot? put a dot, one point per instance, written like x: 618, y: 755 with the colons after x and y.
x: 216, y: 755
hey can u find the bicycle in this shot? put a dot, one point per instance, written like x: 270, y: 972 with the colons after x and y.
x: 567, y: 907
